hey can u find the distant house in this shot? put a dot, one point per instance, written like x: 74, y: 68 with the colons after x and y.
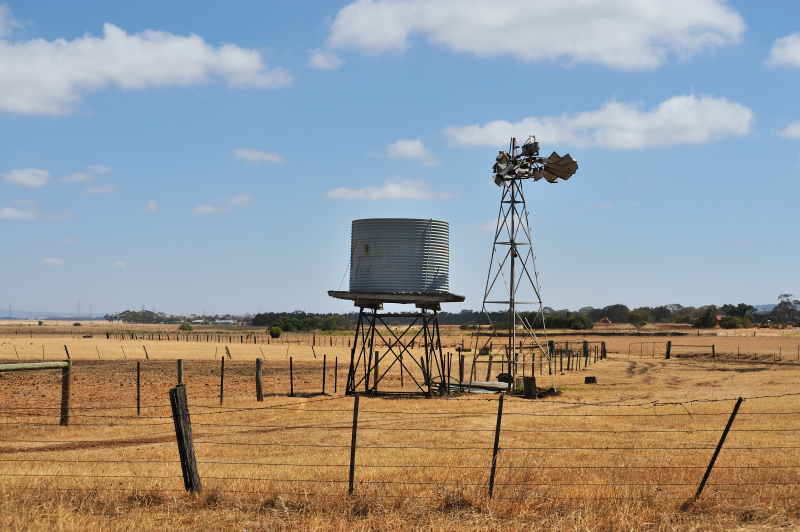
x: 224, y: 322
x: 198, y: 322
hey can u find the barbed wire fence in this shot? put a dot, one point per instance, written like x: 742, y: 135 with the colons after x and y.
x: 454, y: 451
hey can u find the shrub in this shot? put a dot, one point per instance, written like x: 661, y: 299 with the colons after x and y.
x: 578, y: 323
x: 708, y: 320
x: 76, y: 324
x: 275, y: 332
x: 41, y: 323
x: 734, y: 322
x: 185, y: 326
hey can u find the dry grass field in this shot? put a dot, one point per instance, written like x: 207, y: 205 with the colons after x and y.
x: 625, y: 453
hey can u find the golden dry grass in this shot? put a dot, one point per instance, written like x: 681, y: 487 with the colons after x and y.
x: 572, y: 462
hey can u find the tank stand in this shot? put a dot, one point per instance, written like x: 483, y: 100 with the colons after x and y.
x: 377, y: 348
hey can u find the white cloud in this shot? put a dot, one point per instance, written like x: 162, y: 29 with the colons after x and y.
x: 411, y: 149
x: 257, y: 156
x: 103, y: 189
x: 27, y: 177
x: 151, y: 206
x: 24, y: 202
x: 785, y: 52
x: 7, y: 21
x: 324, y: 59
x: 77, y: 177
x: 10, y: 213
x: 100, y: 168
x: 49, y: 77
x: 59, y: 216
x: 227, y: 204
x: 119, y: 264
x: 66, y: 240
x: 393, y: 189
x: 52, y: 262
x: 679, y: 120
x: 791, y: 131
x: 620, y: 34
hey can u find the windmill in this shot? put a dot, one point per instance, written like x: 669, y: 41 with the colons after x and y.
x: 512, y: 284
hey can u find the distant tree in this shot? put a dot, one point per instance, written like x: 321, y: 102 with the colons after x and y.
x: 786, y: 307
x: 742, y: 310
x: 579, y: 323
x: 616, y: 313
x: 41, y: 323
x: 708, y: 319
x: 275, y: 332
x: 734, y: 322
x: 661, y: 314
x: 185, y: 326
x: 638, y: 318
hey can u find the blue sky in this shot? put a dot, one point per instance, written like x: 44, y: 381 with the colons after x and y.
x: 210, y: 156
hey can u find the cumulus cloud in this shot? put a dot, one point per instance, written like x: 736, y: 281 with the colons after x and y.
x: 226, y: 204
x: 411, y: 149
x: 620, y: 34
x: 393, y: 189
x: 77, y: 177
x: 785, y: 52
x: 622, y: 126
x: 791, y: 131
x: 102, y: 189
x: 119, y: 264
x: 27, y: 177
x: 100, y: 168
x: 257, y: 156
x: 324, y: 59
x: 10, y: 213
x: 51, y: 262
x: 151, y: 206
x: 7, y: 21
x: 24, y: 202
x: 49, y: 77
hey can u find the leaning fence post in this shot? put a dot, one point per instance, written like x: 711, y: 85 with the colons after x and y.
x: 259, y: 392
x: 719, y: 447
x: 183, y: 434
x: 496, y: 444
x: 66, y: 391
x: 353, y: 445
x: 67, y: 350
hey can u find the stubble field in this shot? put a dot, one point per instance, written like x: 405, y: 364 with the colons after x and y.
x: 628, y: 452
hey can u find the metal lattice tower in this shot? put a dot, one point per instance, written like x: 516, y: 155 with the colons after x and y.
x: 512, y: 283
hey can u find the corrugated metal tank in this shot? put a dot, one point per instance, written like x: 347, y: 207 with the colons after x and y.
x: 400, y: 255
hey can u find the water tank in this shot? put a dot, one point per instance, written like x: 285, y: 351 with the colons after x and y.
x: 400, y: 255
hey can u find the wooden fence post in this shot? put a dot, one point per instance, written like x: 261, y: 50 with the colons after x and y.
x: 183, y: 434
x: 719, y: 447
x: 529, y: 387
x: 669, y: 350
x: 66, y: 392
x: 138, y: 388
x: 180, y: 371
x: 335, y: 374
x: 713, y: 352
x: 353, y: 445
x: 259, y: 392
x: 496, y: 444
x: 603, y: 353
x: 222, y: 380
x: 324, y: 364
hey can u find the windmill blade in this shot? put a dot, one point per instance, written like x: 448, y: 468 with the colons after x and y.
x: 537, y: 175
x: 564, y: 167
x: 550, y: 177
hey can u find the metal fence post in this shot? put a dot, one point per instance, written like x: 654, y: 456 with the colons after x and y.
x: 353, y: 445
x: 719, y: 447
x: 496, y: 444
